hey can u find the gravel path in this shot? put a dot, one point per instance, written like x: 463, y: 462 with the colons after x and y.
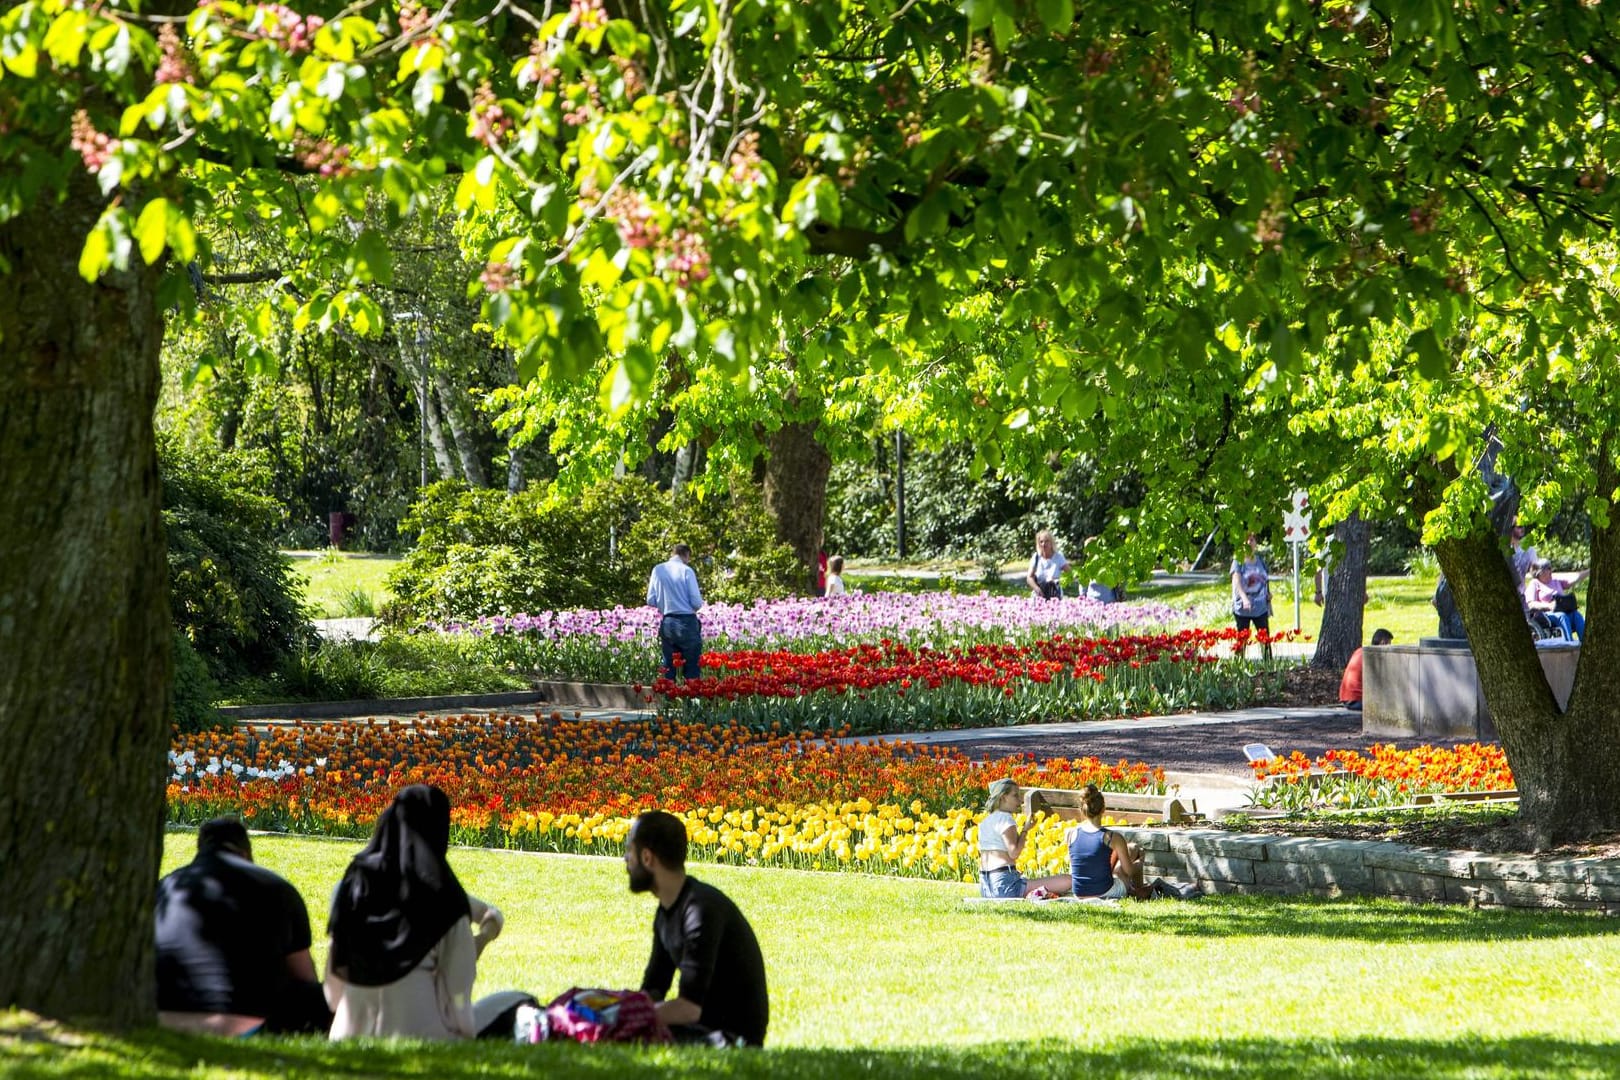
x: 1205, y: 748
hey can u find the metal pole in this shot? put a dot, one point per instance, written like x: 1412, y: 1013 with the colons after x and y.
x: 1208, y: 540
x: 1296, y: 585
x: 900, y: 493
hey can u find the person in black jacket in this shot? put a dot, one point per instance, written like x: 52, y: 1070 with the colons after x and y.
x: 700, y: 933
x: 233, y: 944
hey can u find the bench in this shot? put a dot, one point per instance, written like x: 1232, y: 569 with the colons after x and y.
x: 1127, y: 809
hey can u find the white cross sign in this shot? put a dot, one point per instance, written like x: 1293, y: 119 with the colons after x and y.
x: 1297, y: 518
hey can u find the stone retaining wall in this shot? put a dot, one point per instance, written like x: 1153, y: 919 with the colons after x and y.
x: 1290, y: 865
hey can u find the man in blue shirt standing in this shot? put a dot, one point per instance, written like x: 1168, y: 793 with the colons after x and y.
x: 673, y: 590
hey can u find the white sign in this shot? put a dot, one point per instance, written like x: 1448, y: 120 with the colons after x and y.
x: 1297, y: 518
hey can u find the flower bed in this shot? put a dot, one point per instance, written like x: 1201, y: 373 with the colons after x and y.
x: 1384, y: 776
x: 621, y: 644
x: 891, y: 686
x: 557, y: 785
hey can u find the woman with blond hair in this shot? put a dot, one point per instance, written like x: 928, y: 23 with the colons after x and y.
x: 1046, y: 568
x: 1000, y: 845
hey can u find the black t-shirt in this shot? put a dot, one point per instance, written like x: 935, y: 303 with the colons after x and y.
x: 225, y: 928
x: 704, y: 937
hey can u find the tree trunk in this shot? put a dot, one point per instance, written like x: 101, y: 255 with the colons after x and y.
x: 514, y: 469
x: 796, y: 472
x: 685, y: 466
x: 442, y: 460
x: 1566, y: 765
x: 451, y: 404
x: 84, y: 623
x: 1346, y: 600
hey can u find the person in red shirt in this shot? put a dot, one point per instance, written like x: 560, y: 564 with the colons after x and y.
x: 1350, y: 685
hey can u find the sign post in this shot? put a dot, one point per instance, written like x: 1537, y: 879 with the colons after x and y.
x: 1297, y: 530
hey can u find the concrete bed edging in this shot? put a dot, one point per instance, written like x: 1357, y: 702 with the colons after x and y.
x: 1227, y: 862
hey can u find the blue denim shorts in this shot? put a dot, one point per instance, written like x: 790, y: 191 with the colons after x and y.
x: 1001, y: 883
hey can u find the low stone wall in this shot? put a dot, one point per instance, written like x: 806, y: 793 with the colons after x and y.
x: 1222, y: 862
x: 1428, y: 691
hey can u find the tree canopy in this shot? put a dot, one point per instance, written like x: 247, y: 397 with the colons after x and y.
x: 1029, y: 214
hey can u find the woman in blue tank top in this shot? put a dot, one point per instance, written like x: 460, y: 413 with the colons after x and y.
x: 1101, y: 863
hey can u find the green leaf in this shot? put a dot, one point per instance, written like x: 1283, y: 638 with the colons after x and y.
x: 375, y: 257
x: 152, y: 229
x: 65, y: 39
x: 96, y: 253
x: 1432, y: 363
x: 1056, y: 15
x: 979, y: 13
x: 23, y: 61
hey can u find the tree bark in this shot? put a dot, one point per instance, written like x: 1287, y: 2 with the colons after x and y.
x: 796, y: 471
x: 84, y: 623
x: 514, y: 469
x: 442, y: 460
x: 452, y: 405
x: 1345, y: 604
x: 688, y: 459
x: 1566, y: 765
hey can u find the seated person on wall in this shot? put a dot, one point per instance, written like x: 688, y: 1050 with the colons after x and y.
x: 1102, y: 864
x: 700, y: 933
x: 233, y: 944
x: 1550, y: 595
x: 1350, y: 685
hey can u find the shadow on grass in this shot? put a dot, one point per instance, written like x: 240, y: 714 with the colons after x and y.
x: 1364, y: 920
x: 51, y: 1052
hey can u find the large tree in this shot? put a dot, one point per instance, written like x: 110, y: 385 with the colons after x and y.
x: 1220, y: 190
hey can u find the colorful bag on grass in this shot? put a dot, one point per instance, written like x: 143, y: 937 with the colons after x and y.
x: 605, y: 1016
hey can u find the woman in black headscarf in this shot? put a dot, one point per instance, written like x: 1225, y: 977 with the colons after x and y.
x: 404, y: 947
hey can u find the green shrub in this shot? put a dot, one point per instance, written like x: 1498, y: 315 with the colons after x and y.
x: 398, y: 666
x: 232, y: 594
x: 194, y: 689
x: 482, y: 552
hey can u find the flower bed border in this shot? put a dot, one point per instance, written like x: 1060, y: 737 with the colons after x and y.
x: 1228, y: 862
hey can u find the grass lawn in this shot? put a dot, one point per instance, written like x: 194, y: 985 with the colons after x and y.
x: 339, y: 584
x: 1398, y: 604
x: 887, y: 978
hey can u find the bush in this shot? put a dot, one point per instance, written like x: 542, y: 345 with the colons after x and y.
x: 194, y: 690
x: 483, y: 552
x: 232, y: 595
x: 950, y: 513
x: 400, y: 665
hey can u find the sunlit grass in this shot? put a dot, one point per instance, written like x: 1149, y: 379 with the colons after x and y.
x: 880, y: 977
x: 334, y: 581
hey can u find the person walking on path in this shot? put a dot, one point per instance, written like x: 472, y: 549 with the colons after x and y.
x: 1046, y: 568
x: 1251, y: 593
x: 673, y: 590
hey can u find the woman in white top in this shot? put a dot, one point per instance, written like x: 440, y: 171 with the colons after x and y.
x: 405, y: 936
x: 1000, y: 844
x: 835, y: 577
x: 1046, y: 568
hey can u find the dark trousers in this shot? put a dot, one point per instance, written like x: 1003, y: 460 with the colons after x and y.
x: 681, y: 634
x: 300, y: 1009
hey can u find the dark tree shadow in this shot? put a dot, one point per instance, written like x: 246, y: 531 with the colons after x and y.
x: 152, y: 1053
x: 1357, y: 920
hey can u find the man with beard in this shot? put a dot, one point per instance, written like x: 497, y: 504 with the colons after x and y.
x: 699, y: 932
